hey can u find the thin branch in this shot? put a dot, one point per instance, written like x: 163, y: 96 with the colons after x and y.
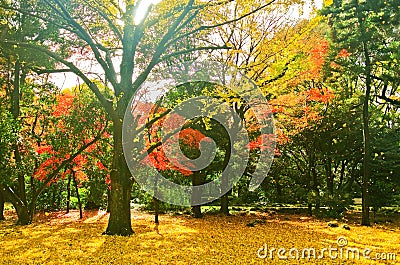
x: 50, y: 71
x: 111, y: 75
x: 107, y: 104
x: 192, y: 50
x: 67, y: 162
x: 162, y: 46
x: 201, y: 28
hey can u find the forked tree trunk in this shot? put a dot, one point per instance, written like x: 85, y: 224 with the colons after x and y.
x: 24, y: 215
x: 119, y: 222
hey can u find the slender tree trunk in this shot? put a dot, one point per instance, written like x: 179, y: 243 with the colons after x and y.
x: 329, y: 175
x: 156, y: 201
x: 156, y: 209
x: 1, y: 206
x: 342, y: 171
x: 32, y: 207
x: 77, y: 195
x: 225, y: 182
x: 366, y: 134
x: 68, y: 194
x: 19, y: 78
x: 119, y: 222
x: 225, y: 198
x: 367, y: 158
x: 309, y: 209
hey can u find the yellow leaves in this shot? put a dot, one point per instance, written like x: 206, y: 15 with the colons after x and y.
x: 328, y: 2
x: 179, y: 240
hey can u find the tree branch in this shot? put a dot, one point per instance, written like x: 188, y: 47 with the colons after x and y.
x: 63, y: 165
x: 107, y: 104
x: 192, y: 50
x: 50, y: 71
x: 108, y: 70
x: 201, y: 28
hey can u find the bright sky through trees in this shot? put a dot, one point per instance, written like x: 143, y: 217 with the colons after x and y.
x: 142, y: 9
x: 67, y: 80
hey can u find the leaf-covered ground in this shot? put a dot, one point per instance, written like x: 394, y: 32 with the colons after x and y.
x: 59, y: 238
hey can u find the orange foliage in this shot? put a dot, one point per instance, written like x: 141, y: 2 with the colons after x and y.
x: 53, y: 159
x: 188, y: 137
x: 65, y: 102
x: 317, y: 57
x: 344, y: 53
x: 319, y: 95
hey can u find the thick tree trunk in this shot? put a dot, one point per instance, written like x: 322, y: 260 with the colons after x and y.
x: 108, y: 200
x: 225, y: 204
x: 2, y: 206
x: 120, y: 216
x: 24, y: 215
x: 119, y: 222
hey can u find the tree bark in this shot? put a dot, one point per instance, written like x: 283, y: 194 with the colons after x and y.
x: 24, y: 215
x: 68, y: 194
x: 156, y: 210
x: 366, y: 134
x: 108, y: 199
x: 196, y: 209
x: 224, y: 182
x: 367, y: 158
x: 77, y: 195
x: 2, y: 206
x: 119, y: 222
x: 225, y: 204
x: 309, y: 209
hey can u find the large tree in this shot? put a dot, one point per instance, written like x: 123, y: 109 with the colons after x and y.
x: 126, y: 51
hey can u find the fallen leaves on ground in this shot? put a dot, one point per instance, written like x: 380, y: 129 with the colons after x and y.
x: 59, y: 238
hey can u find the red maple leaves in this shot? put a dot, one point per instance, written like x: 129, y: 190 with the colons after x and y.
x: 52, y: 158
x: 188, y: 139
